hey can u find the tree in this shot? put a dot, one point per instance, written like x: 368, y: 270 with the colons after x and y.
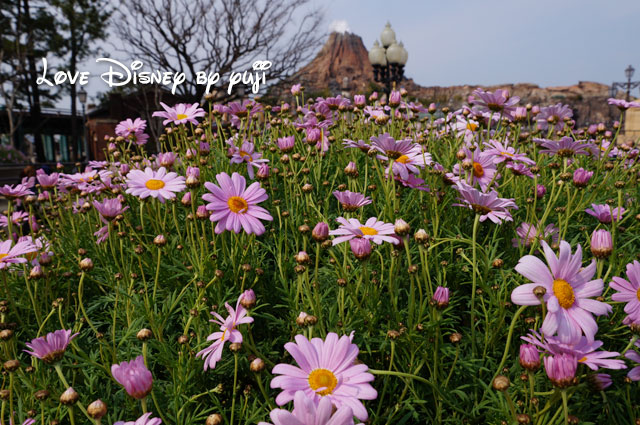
x: 219, y: 36
x: 81, y: 23
x: 27, y: 32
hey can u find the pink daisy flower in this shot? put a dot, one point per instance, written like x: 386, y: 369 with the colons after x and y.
x: 561, y: 369
x: 326, y: 369
x: 157, y: 184
x: 604, y: 213
x: 483, y: 171
x: 228, y: 332
x: 622, y: 104
x: 51, y: 347
x: 529, y: 233
x: 393, y: 148
x: 13, y: 192
x: 554, y: 116
x: 503, y: 152
x: 17, y: 218
x: 634, y: 374
x: 129, y: 126
x: 568, y: 290
x: 584, y: 351
x: 565, y: 147
x: 110, y: 208
x: 235, y: 207
x: 466, y: 128
x: 498, y: 101
x: 628, y: 290
x: 306, y: 412
x: 351, y: 201
x: 374, y: 230
x: 13, y: 255
x: 246, y: 153
x: 182, y: 113
x: 47, y: 181
x: 488, y: 205
x: 145, y: 419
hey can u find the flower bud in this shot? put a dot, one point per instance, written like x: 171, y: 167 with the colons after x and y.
x: 86, y: 264
x: 235, y: 347
x: 257, y: 365
x: 36, y: 272
x: 401, y: 227
x: 144, y: 334
x: 361, y: 248
x: 160, y: 240
x: 421, y: 236
x: 69, y: 397
x: 441, y: 297
x: 301, y: 320
x: 351, y: 169
x: 97, y: 409
x: 248, y: 299
x: 320, y: 233
x: 302, y: 258
x: 601, y: 243
x: 529, y: 357
x: 11, y: 365
x: 214, y: 419
x: 186, y: 199
x: 501, y: 383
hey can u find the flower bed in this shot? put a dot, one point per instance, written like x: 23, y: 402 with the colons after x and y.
x: 333, y: 261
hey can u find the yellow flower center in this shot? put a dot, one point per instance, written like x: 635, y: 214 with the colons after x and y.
x: 582, y: 360
x: 237, y: 205
x: 403, y: 159
x: 637, y: 293
x: 368, y: 231
x: 2, y: 256
x: 564, y: 293
x: 181, y: 116
x: 223, y: 334
x: 472, y: 126
x: 507, y: 153
x: 154, y: 184
x: 478, y: 171
x: 243, y: 154
x: 322, y: 378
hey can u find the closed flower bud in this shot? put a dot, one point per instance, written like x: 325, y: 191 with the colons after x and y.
x: 257, y: 365
x: 11, y: 365
x: 461, y: 155
x: 144, y: 334
x: 421, y: 236
x: 160, y: 240
x: 36, y: 272
x: 69, y: 397
x: 248, y: 299
x: 320, y: 233
x: 311, y: 320
x: 6, y: 334
x: 361, y: 248
x: 302, y: 258
x: 539, y: 291
x: 307, y: 188
x: 601, y: 243
x: 401, y: 227
x: 441, y: 297
x: 301, y: 320
x: 97, y: 409
x: 214, y: 419
x: 529, y: 357
x: 351, y: 169
x: 41, y: 395
x: 186, y: 199
x: 455, y: 337
x: 501, y: 383
x: 86, y: 264
x: 235, y: 347
x: 263, y: 172
x: 581, y: 177
x: 192, y: 182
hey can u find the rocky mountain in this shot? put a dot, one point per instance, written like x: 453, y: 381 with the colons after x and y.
x: 342, y: 65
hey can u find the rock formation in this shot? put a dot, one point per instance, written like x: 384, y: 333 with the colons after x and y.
x: 342, y: 65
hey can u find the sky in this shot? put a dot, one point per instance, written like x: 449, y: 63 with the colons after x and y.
x: 485, y: 42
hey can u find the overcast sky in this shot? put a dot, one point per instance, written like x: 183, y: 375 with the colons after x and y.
x: 485, y: 42
x: 545, y: 42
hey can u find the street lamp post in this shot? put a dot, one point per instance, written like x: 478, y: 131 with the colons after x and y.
x: 388, y: 59
x: 629, y: 74
x: 628, y: 85
x: 82, y: 97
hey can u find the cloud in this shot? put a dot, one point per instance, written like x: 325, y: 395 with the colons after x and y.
x: 339, y: 25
